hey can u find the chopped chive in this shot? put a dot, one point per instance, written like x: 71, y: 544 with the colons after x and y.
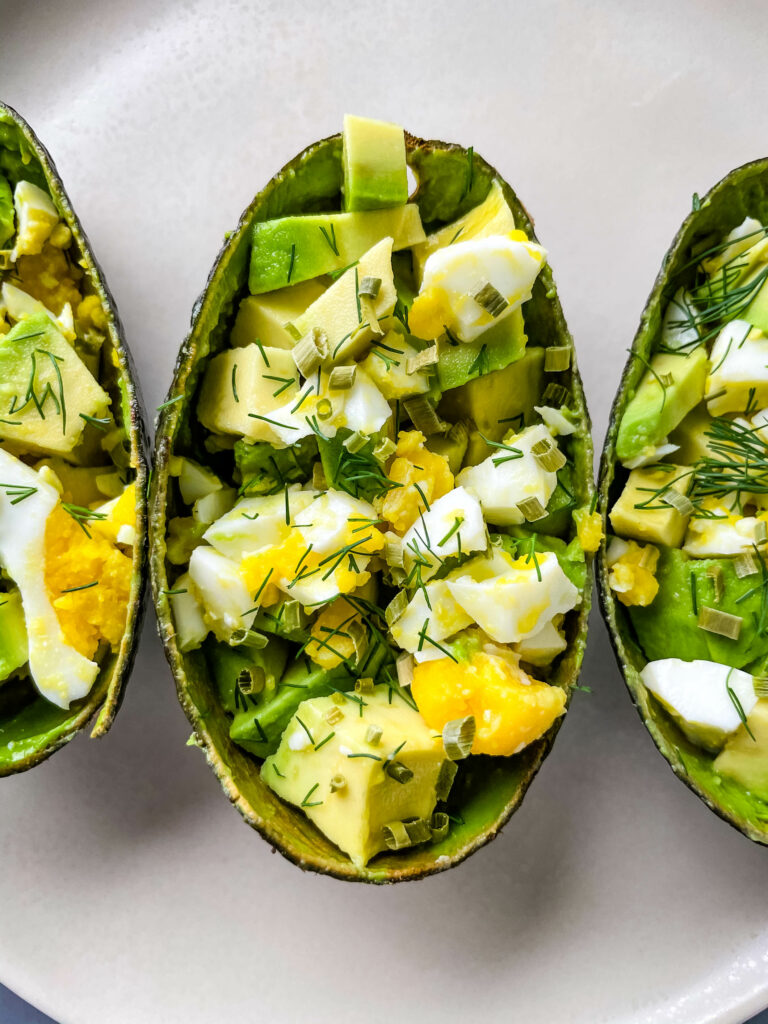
x: 330, y: 239
x: 274, y: 423
x: 170, y: 401
x: 234, y: 382
x: 293, y: 260
x: 324, y: 741
x: 694, y: 601
x: 306, y: 730
x: 306, y: 802
x: 87, y: 586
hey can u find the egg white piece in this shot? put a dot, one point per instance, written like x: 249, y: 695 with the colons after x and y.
x: 363, y: 407
x: 256, y: 523
x: 439, y: 619
x: 461, y: 270
x: 746, y: 240
x: 678, y: 328
x: 696, y: 692
x: 556, y: 420
x: 428, y: 541
x: 706, y: 538
x: 36, y: 217
x: 739, y: 362
x: 60, y: 673
x: 335, y: 519
x: 514, y: 604
x: 222, y: 591
x: 500, y: 487
x: 543, y: 647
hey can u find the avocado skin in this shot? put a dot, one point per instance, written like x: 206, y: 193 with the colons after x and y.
x: 488, y: 790
x: 38, y: 729
x: 741, y: 193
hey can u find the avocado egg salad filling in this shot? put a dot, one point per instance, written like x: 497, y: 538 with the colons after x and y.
x: 68, y: 523
x: 687, y: 557
x: 378, y: 528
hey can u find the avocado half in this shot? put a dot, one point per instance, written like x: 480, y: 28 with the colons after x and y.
x: 742, y: 193
x: 33, y: 731
x: 487, y: 790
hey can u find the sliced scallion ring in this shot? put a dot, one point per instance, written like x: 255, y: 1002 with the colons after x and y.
x: 491, y: 299
x: 557, y: 358
x: 679, y: 502
x: 439, y: 825
x: 723, y: 623
x: 458, y: 737
x: 423, y: 415
x: 445, y: 779
x: 310, y: 351
x: 342, y: 378
x: 531, y: 509
x: 745, y: 564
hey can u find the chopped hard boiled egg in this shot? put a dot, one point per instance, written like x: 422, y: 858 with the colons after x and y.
x: 222, y: 591
x: 453, y: 525
x: 739, y: 374
x: 727, y: 533
x: 510, y: 709
x: 59, y: 671
x: 632, y: 575
x: 512, y: 476
x: 36, y: 217
x: 119, y: 522
x: 420, y: 474
x: 543, y: 647
x: 432, y: 615
x: 469, y: 285
x: 704, y: 697
x: 678, y: 328
x: 513, y: 599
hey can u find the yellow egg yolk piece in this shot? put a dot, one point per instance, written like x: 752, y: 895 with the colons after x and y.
x: 413, y: 464
x: 73, y: 559
x: 427, y: 317
x: 333, y: 633
x: 123, y: 513
x: 510, y: 709
x: 632, y: 577
x: 589, y: 528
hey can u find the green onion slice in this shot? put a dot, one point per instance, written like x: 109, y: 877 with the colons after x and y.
x: 369, y: 287
x: 715, y: 573
x: 396, y: 607
x: 439, y: 825
x: 492, y: 301
x: 427, y: 357
x: 458, y: 737
x: 745, y: 565
x: 373, y: 735
x: 723, y: 623
x: 423, y: 416
x: 404, y: 668
x: 445, y: 779
x: 548, y: 455
x: 557, y: 358
x: 342, y: 378
x: 679, y: 502
x: 531, y: 509
x: 309, y: 353
x: 400, y: 773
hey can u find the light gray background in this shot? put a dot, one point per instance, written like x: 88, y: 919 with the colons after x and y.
x: 129, y: 890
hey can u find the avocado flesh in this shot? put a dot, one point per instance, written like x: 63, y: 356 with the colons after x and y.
x: 654, y: 410
x: 373, y: 154
x: 744, y: 758
x: 265, y: 316
x: 494, y: 403
x: 31, y: 729
x: 671, y: 612
x: 13, y: 634
x: 740, y: 194
x: 503, y: 343
x: 487, y: 790
x: 294, y: 249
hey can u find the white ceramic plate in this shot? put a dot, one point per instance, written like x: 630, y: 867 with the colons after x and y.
x: 130, y: 890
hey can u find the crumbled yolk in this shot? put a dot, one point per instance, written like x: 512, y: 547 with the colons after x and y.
x: 123, y: 513
x: 332, y: 633
x: 291, y: 560
x: 632, y: 577
x: 90, y: 313
x: 73, y: 559
x: 50, y: 278
x: 427, y: 315
x: 589, y: 528
x: 413, y: 464
x: 510, y: 709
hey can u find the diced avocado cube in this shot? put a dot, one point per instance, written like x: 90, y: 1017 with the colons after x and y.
x: 340, y: 311
x: 45, y: 389
x: 82, y: 485
x: 659, y: 522
x: 245, y: 671
x: 264, y: 317
x: 387, y: 366
x: 238, y: 382
x: 744, y: 757
x: 496, y: 402
x: 341, y: 779
x: 691, y: 437
x: 491, y: 217
x: 672, y: 386
x: 373, y: 155
x: 452, y: 446
x: 290, y: 250
x: 503, y: 343
x: 13, y: 633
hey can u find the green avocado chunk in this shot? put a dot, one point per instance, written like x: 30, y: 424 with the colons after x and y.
x: 756, y: 312
x: 654, y: 410
x: 259, y: 670
x: 294, y: 249
x: 503, y: 343
x: 670, y: 623
x: 13, y: 634
x: 373, y: 155
x: 46, y: 391
x: 560, y: 505
x: 517, y: 540
x: 494, y: 400
x: 6, y: 211
x: 744, y: 757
